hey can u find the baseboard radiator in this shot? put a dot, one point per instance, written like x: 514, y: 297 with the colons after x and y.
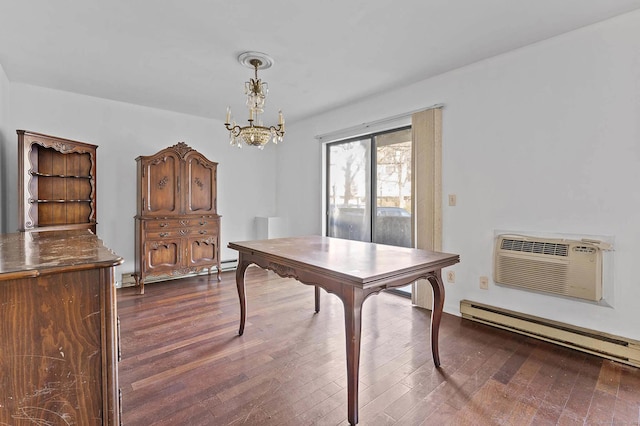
x: 605, y: 345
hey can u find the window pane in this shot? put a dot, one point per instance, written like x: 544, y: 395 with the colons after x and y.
x: 348, y: 190
x: 393, y: 189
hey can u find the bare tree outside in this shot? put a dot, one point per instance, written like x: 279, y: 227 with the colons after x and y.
x: 394, y: 169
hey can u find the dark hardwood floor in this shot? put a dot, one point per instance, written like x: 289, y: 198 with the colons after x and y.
x: 184, y: 364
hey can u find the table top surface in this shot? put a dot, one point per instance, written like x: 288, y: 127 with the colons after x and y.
x: 25, y: 254
x: 356, y: 261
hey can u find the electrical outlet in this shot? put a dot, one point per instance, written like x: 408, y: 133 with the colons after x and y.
x: 452, y: 199
x: 451, y: 277
x: 484, y: 283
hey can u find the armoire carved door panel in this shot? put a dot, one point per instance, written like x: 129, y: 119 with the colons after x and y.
x: 200, y: 184
x: 161, y: 185
x: 163, y: 255
x: 202, y: 250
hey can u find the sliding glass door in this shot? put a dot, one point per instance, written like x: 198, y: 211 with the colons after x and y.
x: 393, y: 219
x: 369, y: 188
x: 349, y: 190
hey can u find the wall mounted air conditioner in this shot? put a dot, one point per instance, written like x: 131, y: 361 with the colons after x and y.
x: 566, y: 267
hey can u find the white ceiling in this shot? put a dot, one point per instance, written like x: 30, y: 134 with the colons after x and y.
x: 181, y: 55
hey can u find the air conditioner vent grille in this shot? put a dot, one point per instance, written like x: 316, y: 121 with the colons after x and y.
x: 539, y: 247
x: 534, y: 274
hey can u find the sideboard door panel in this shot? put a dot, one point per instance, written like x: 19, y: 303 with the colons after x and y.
x: 62, y: 329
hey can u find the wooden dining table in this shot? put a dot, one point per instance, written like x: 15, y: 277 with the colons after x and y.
x: 352, y: 270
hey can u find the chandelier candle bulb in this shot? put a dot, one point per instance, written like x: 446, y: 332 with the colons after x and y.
x: 228, y: 115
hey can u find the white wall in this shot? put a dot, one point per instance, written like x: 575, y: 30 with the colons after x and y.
x: 542, y: 139
x: 246, y: 182
x: 4, y: 135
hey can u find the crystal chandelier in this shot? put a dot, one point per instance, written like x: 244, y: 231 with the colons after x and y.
x: 256, y: 133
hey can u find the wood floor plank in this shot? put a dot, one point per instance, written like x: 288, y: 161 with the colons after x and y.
x: 602, y: 408
x: 184, y: 364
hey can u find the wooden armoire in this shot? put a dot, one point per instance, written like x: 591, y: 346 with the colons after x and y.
x: 177, y: 227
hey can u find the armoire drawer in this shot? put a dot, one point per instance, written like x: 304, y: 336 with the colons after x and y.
x: 181, y: 232
x: 164, y: 224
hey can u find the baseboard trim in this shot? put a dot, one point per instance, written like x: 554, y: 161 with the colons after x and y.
x: 128, y: 280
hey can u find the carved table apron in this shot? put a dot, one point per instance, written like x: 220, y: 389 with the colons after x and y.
x: 352, y: 270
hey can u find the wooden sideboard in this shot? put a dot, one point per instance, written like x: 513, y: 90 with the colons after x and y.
x: 58, y: 330
x: 177, y: 228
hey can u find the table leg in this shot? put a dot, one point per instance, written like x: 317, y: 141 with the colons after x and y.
x: 317, y: 296
x: 436, y: 313
x: 242, y: 267
x: 352, y: 300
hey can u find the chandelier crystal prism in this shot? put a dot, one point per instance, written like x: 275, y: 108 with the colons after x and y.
x: 256, y: 133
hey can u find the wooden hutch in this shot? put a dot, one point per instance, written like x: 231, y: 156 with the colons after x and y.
x: 56, y: 183
x: 177, y: 228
